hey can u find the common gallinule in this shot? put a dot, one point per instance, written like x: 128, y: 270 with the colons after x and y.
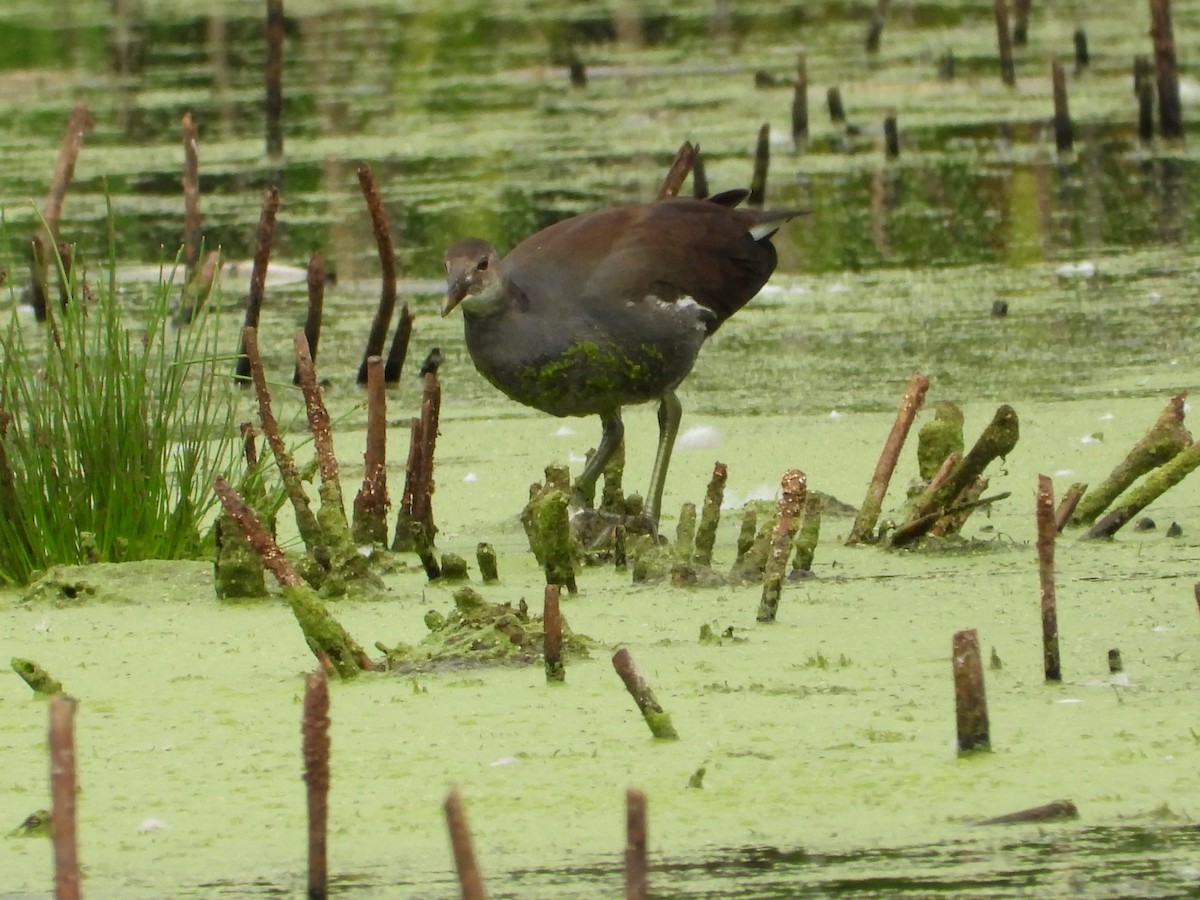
x: 611, y: 308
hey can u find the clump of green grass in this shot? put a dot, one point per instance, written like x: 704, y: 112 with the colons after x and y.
x: 113, y: 426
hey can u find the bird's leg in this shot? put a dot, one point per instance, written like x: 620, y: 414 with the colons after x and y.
x: 670, y: 411
x: 583, y: 491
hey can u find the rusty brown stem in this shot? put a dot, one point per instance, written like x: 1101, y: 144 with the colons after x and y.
x: 318, y: 414
x: 45, y: 238
x: 762, y: 160
x: 469, y: 880
x: 552, y: 636
x: 398, y: 352
x: 263, y: 237
x: 289, y: 474
x: 791, y: 505
x: 387, y: 263
x: 636, y: 880
x: 315, y: 731
x: 273, y: 75
x: 864, y: 524
x: 191, y: 196
x: 260, y: 539
x: 371, y: 503
x: 656, y: 718
x: 1047, y: 533
x: 970, y: 700
x: 63, y: 791
x: 681, y: 166
x: 315, y: 280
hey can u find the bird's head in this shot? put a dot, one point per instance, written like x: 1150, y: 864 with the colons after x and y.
x: 472, y: 275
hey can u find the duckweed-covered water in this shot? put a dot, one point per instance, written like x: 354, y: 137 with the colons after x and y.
x: 826, y: 738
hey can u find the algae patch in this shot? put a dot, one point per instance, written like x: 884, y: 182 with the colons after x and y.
x: 478, y: 633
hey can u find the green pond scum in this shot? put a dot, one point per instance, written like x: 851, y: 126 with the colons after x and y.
x: 816, y: 755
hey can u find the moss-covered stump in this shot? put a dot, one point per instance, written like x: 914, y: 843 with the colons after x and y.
x: 238, y: 573
x: 479, y: 633
x: 327, y: 639
x: 36, y: 824
x: 39, y: 680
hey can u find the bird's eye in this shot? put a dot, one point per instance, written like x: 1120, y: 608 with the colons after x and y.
x: 483, y: 264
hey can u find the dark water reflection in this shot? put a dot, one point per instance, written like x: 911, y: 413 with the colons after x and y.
x: 470, y: 126
x: 1090, y: 863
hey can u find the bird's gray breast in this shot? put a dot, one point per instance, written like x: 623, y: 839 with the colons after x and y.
x: 584, y: 358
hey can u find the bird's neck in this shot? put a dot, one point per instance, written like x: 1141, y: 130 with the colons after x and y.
x: 495, y: 297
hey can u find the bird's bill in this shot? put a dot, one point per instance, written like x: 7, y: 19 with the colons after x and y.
x: 453, y: 297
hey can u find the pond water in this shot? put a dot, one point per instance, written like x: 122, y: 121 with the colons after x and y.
x: 826, y: 737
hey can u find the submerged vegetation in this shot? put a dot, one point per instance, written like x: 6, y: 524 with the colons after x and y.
x: 112, y: 428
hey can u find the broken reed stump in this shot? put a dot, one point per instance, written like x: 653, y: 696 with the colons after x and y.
x: 398, y: 352
x: 315, y: 282
x: 285, y: 463
x: 552, y: 528
x: 414, y: 521
x: 315, y: 750
x: 1082, y: 58
x: 1055, y: 811
x: 996, y: 441
x: 1020, y: 22
x: 1047, y: 533
x: 800, y: 104
x: 762, y: 160
x: 837, y: 112
x: 656, y: 718
x: 1064, y: 137
x: 710, y: 516
x: 636, y: 880
x: 891, y: 136
x: 681, y: 166
x: 1154, y: 486
x: 469, y: 880
x: 45, y: 239
x: 791, y: 505
x: 808, y: 536
x: 970, y: 700
x: 1166, y: 438
x: 612, y: 495
x: 258, y: 273
x: 1008, y: 73
x: 63, y: 793
x: 39, y: 680
x: 875, y: 28
x: 556, y: 672
x: 345, y: 560
x: 752, y: 564
x: 1162, y: 32
x: 745, y: 540
x: 485, y: 557
x: 191, y: 197
x: 333, y: 647
x: 576, y: 70
x: 1143, y: 92
x: 868, y: 514
x: 273, y: 73
x: 939, y: 439
x: 387, y: 263
x: 1066, y: 506
x: 685, y: 532
x: 371, y: 502
x: 1114, y: 662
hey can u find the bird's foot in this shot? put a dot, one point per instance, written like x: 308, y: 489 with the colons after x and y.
x: 594, y: 529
